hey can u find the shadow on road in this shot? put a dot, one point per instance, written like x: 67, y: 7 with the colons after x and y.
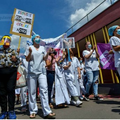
x: 18, y: 112
x: 113, y: 102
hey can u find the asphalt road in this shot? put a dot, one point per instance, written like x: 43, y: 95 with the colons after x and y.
x: 109, y: 108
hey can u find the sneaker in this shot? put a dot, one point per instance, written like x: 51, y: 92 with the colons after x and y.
x: 3, y: 115
x: 86, y: 97
x: 11, y: 115
x: 97, y: 98
x: 78, y: 102
x: 73, y: 102
x: 81, y: 97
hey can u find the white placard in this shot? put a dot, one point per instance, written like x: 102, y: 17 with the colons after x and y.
x: 23, y: 16
x: 22, y: 28
x: 22, y: 23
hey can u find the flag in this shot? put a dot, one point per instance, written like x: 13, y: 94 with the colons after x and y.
x: 106, y: 59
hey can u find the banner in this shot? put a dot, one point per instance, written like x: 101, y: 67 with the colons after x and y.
x: 52, y: 43
x: 22, y: 23
x: 106, y: 59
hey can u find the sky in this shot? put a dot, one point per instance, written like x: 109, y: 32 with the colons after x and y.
x: 52, y: 17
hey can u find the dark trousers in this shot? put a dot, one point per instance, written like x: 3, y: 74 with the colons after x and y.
x: 7, y: 88
x: 50, y: 81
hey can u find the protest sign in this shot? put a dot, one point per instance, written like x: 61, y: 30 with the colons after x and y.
x: 22, y: 23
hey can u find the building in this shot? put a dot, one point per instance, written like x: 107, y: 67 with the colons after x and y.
x: 96, y: 31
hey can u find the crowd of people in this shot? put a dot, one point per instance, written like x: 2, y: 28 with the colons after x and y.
x: 68, y: 79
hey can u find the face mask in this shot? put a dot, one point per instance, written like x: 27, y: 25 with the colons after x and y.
x: 118, y: 31
x: 80, y: 61
x: 37, y: 40
x: 89, y: 46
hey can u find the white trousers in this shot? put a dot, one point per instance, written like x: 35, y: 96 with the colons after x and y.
x: 43, y: 89
x: 70, y: 82
x: 23, y: 96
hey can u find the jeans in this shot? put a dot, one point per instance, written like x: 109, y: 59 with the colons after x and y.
x: 8, y: 78
x: 92, y: 77
x: 50, y: 81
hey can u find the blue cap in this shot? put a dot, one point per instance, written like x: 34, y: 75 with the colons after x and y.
x: 111, y: 30
x: 33, y: 37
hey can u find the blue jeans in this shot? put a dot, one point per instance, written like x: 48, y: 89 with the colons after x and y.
x: 50, y: 81
x: 92, y: 77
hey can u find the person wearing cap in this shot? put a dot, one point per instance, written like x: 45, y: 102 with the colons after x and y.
x: 9, y: 61
x: 114, y: 33
x: 36, y: 56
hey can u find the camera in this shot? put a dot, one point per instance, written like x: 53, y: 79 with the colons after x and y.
x: 53, y: 52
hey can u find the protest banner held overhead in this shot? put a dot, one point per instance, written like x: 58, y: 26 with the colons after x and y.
x: 52, y: 43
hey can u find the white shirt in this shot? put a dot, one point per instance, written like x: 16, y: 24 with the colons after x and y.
x: 115, y: 41
x: 36, y: 63
x: 82, y: 67
x: 92, y: 63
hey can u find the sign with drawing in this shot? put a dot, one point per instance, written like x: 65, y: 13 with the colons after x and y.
x: 68, y: 43
x: 22, y: 23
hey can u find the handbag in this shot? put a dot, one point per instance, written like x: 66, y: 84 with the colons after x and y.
x: 21, y: 77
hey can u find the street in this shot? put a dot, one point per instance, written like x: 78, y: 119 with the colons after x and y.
x: 109, y: 108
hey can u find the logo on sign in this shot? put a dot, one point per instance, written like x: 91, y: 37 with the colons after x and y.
x: 105, y: 58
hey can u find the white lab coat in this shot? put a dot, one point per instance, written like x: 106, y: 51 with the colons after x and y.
x: 61, y: 92
x: 69, y: 77
x: 75, y: 65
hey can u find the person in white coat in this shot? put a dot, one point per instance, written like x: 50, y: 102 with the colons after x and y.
x: 82, y: 88
x: 69, y: 77
x: 76, y: 69
x: 114, y: 33
x: 36, y: 56
x: 61, y: 93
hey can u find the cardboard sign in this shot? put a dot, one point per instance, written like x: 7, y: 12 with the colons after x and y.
x: 22, y: 23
